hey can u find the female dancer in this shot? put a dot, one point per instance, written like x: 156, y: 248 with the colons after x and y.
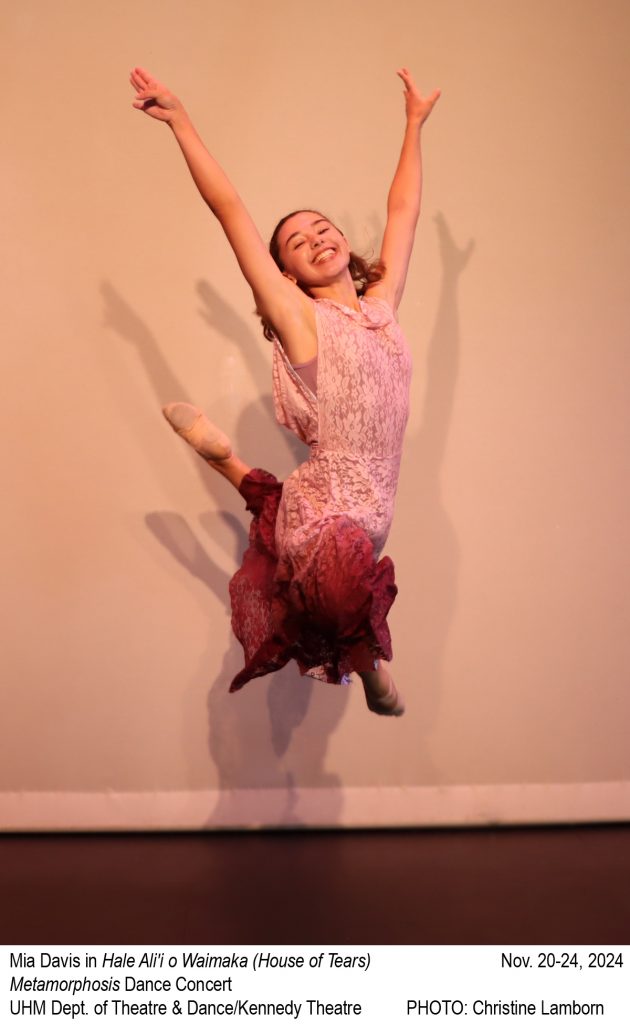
x: 310, y: 586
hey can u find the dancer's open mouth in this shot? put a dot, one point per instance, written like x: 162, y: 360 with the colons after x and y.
x: 326, y: 254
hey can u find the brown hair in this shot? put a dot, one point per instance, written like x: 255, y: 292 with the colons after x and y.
x: 363, y: 272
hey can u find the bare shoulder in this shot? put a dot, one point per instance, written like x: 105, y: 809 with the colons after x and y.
x: 292, y: 318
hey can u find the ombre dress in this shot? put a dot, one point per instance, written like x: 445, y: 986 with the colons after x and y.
x: 311, y: 586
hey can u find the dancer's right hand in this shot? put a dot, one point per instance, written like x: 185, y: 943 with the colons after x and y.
x: 154, y: 98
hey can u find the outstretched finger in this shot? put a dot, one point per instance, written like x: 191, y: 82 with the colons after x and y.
x: 143, y: 76
x: 147, y: 94
x: 136, y: 82
x: 142, y: 81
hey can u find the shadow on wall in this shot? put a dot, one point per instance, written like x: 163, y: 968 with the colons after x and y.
x: 428, y: 576
x: 431, y: 583
x: 247, y: 754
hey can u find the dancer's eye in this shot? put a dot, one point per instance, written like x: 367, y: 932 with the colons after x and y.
x: 298, y: 244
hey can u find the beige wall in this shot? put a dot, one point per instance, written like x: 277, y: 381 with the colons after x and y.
x: 511, y: 541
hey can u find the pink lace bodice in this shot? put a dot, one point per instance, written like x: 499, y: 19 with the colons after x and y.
x: 311, y: 586
x: 354, y: 426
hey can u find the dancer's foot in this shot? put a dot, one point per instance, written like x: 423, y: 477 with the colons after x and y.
x: 381, y: 695
x: 194, y: 426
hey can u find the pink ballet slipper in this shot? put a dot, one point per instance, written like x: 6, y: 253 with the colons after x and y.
x: 194, y: 426
x: 389, y: 703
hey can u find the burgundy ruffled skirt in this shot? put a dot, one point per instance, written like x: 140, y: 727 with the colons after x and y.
x: 330, y: 615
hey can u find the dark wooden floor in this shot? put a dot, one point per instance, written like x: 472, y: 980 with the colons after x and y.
x: 530, y: 885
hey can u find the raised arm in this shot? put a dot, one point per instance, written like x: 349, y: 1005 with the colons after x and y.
x: 276, y: 298
x: 403, y: 201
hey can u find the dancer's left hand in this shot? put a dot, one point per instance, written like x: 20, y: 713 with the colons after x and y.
x: 418, y: 107
x: 155, y: 99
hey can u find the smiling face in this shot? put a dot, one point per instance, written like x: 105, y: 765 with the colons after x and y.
x: 312, y: 250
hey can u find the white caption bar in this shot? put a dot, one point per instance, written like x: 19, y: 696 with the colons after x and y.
x: 379, y: 984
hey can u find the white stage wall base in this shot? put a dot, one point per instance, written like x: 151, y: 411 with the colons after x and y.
x: 397, y: 807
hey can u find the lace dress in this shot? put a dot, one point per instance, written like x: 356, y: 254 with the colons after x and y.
x: 311, y: 585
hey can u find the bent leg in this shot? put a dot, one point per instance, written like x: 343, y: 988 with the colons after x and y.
x: 381, y: 695
x: 232, y: 468
x: 207, y: 440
